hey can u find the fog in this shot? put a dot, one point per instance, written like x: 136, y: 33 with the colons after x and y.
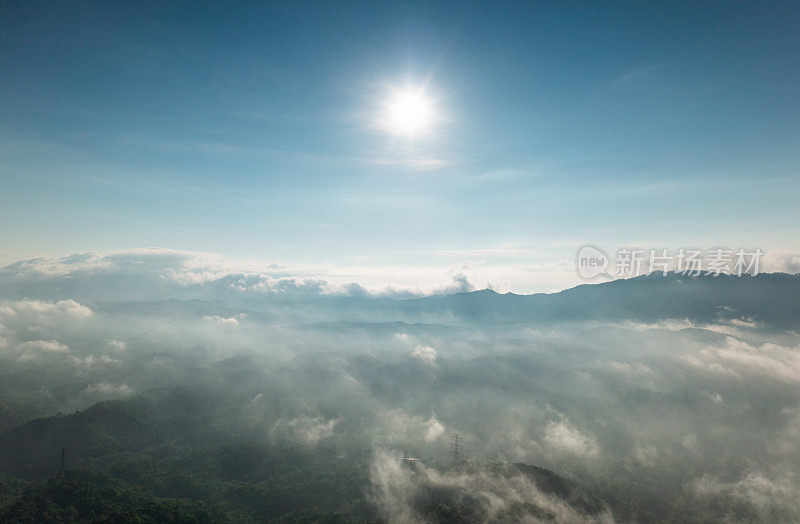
x: 678, y: 416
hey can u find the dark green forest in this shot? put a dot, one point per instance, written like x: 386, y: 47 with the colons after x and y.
x: 160, y: 459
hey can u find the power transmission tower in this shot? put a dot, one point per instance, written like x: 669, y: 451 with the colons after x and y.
x: 456, y: 447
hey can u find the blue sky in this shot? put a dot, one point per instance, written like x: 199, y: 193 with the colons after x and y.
x: 247, y: 130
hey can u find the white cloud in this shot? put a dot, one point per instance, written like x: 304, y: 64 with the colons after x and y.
x: 49, y: 267
x: 307, y: 430
x: 737, y: 358
x: 505, y: 267
x: 108, y: 390
x: 426, y: 354
x: 396, y: 489
x: 92, y: 362
x: 117, y: 345
x: 40, y: 310
x: 145, y: 270
x: 763, y: 493
x: 403, y: 337
x: 433, y: 429
x: 564, y: 438
x: 45, y: 346
x: 780, y: 261
x: 223, y: 321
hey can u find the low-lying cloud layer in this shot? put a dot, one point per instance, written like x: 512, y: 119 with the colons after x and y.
x: 688, y: 417
x: 155, y: 272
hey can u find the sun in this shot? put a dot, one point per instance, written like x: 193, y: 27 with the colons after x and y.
x: 409, y: 112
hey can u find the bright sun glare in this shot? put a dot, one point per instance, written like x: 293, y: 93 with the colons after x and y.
x: 410, y: 112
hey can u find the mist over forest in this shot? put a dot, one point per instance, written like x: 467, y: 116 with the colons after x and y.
x: 659, y: 397
x: 410, y: 262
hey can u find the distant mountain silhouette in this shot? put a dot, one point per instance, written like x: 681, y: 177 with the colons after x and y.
x: 772, y: 299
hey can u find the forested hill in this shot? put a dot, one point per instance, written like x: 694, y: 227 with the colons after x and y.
x: 159, y: 458
x: 89, y: 496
